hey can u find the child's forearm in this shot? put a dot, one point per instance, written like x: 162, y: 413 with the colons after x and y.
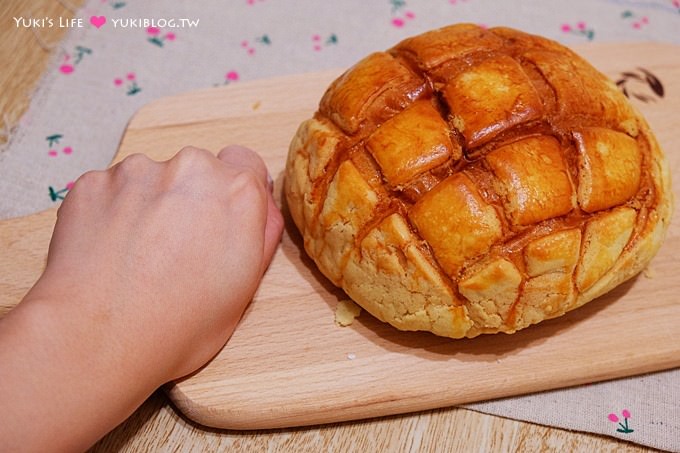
x: 62, y: 370
x: 150, y: 267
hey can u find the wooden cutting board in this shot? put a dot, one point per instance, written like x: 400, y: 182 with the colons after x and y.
x: 288, y: 364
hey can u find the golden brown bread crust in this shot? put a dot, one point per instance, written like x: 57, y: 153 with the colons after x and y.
x: 473, y: 181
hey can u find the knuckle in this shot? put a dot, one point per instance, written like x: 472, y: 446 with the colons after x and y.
x: 192, y: 153
x: 134, y: 162
x: 193, y: 160
x: 88, y: 179
x: 87, y: 186
x: 247, y: 184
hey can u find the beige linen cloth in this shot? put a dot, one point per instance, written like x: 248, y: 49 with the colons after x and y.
x: 101, y: 75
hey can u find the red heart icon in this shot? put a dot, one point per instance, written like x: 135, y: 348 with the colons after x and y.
x: 98, y: 21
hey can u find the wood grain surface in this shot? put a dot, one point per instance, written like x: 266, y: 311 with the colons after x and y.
x: 157, y: 426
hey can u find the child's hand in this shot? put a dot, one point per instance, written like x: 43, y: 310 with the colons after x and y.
x: 167, y: 254
x: 149, y: 270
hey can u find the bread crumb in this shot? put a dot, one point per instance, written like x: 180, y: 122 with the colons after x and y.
x: 256, y: 105
x: 351, y: 356
x: 649, y: 272
x: 345, y: 312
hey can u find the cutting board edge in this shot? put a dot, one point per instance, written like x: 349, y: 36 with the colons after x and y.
x: 250, y: 420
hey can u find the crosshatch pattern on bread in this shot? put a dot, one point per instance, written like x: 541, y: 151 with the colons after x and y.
x: 471, y: 181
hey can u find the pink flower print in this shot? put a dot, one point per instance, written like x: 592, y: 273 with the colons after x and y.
x: 66, y: 68
x: 636, y: 21
x: 60, y: 194
x: 623, y: 426
x: 398, y: 6
x: 249, y: 49
x: 157, y: 38
x: 54, y: 140
x: 80, y: 52
x: 264, y: 39
x: 132, y: 87
x: 230, y: 77
x: 581, y: 29
x: 317, y: 41
x: 401, y: 21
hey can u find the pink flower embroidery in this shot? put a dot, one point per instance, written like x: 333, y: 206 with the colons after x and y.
x: 60, y: 194
x: 132, y: 87
x: 229, y: 77
x: 80, y: 52
x: 264, y: 39
x: 156, y: 37
x: 623, y: 426
x: 637, y: 21
x: 318, y: 44
x: 54, y: 140
x: 400, y: 22
x: 580, y: 29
